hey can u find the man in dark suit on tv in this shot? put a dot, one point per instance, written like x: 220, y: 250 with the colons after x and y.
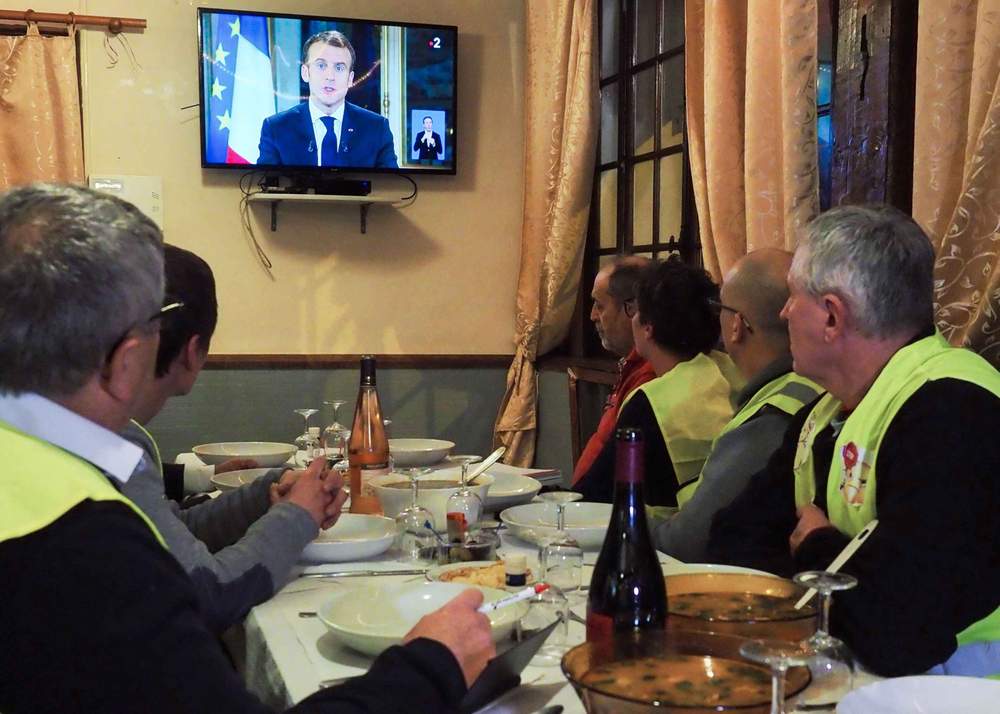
x: 428, y: 142
x: 327, y: 130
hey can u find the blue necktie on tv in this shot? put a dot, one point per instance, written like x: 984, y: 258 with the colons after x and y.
x: 329, y: 148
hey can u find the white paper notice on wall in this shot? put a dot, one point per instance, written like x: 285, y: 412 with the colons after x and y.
x: 146, y: 192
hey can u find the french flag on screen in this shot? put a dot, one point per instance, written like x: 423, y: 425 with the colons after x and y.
x: 239, y: 85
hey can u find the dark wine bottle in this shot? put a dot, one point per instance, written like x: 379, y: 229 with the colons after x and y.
x: 368, y: 448
x: 627, y: 592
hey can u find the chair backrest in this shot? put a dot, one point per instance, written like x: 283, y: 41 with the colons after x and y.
x: 587, y: 405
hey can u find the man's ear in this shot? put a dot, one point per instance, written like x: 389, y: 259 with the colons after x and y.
x: 304, y: 72
x: 129, y: 367
x: 837, y: 313
x: 737, y: 330
x: 192, y: 356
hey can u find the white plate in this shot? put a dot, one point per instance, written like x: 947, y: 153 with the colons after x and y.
x: 374, y: 617
x: 536, y: 522
x: 234, y: 479
x: 354, y: 537
x: 510, y: 490
x: 265, y: 453
x: 924, y: 694
x: 419, y: 452
x: 436, y: 572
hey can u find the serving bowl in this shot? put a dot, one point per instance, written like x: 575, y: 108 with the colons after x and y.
x: 375, y: 617
x: 395, y: 499
x: 231, y: 480
x: 265, y: 453
x: 679, y: 672
x: 756, y: 606
x: 419, y: 452
x: 536, y: 522
x: 354, y: 536
x: 510, y: 490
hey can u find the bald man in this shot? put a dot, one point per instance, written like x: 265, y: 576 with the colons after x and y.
x: 750, y: 301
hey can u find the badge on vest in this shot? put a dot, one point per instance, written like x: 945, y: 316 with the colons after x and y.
x: 804, y: 449
x: 855, y: 465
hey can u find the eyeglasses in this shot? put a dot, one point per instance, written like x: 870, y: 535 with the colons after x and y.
x: 631, y: 306
x: 158, y: 315
x: 719, y: 306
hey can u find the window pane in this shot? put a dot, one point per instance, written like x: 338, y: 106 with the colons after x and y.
x: 824, y: 74
x: 642, y: 204
x: 609, y: 37
x: 645, y: 29
x: 672, y: 98
x: 603, y: 260
x: 646, y: 254
x: 671, y: 176
x: 673, y: 24
x: 609, y: 123
x: 609, y: 208
x: 645, y: 98
x: 824, y: 132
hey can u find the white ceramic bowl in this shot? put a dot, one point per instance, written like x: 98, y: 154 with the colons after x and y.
x: 375, y: 617
x: 927, y: 694
x: 235, y: 479
x: 354, y: 536
x: 265, y: 453
x: 536, y: 522
x: 419, y: 452
x: 435, y: 500
x: 510, y: 490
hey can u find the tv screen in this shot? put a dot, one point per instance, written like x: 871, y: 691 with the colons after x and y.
x: 294, y: 93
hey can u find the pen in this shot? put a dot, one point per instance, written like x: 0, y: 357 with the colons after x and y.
x: 516, y: 597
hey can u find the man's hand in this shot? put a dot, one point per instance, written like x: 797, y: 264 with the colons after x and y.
x: 279, y: 491
x: 462, y: 630
x: 311, y: 492
x: 810, y: 518
x: 334, y: 485
x: 235, y: 465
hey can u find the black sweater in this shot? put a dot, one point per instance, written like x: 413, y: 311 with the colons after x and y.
x: 932, y: 567
x: 98, y: 617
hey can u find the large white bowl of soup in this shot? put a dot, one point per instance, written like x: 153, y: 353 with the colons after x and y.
x: 535, y: 523
x: 267, y: 454
x: 393, y: 492
x: 419, y: 452
x: 375, y: 617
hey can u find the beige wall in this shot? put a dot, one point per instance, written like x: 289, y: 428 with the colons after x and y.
x: 437, y: 277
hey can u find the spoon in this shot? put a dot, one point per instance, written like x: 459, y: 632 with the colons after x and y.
x: 487, y: 462
x: 839, y: 561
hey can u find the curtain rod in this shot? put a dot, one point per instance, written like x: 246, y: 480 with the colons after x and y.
x: 114, y: 24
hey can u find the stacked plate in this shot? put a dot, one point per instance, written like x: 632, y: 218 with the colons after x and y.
x: 354, y: 537
x: 231, y: 480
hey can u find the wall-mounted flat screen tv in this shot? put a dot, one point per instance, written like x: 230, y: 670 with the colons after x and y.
x: 294, y: 93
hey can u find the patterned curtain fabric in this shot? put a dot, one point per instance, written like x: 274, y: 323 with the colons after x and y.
x: 40, y: 127
x: 956, y: 165
x: 751, y: 107
x: 562, y: 115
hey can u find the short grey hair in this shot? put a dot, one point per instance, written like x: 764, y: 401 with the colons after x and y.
x: 78, y: 270
x: 878, y: 260
x: 626, y: 272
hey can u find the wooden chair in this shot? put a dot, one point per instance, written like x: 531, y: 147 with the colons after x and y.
x: 594, y: 375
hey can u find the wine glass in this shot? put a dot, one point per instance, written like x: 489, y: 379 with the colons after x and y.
x: 464, y: 507
x: 778, y: 655
x: 415, y: 524
x: 544, y: 608
x: 832, y: 665
x: 336, y: 433
x: 304, y: 442
x: 561, y: 557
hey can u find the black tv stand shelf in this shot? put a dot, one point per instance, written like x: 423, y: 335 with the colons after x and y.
x: 363, y: 202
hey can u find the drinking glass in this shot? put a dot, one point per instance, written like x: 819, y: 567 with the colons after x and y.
x: 464, y: 507
x: 304, y: 442
x: 832, y: 664
x: 336, y: 433
x: 415, y: 536
x: 561, y: 557
x: 545, y: 608
x: 778, y: 655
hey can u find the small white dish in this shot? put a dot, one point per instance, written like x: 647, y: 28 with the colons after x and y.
x: 419, y: 452
x: 374, y: 617
x: 927, y: 694
x: 354, y: 536
x: 265, y: 453
x: 535, y: 523
x: 510, y: 490
x: 235, y: 479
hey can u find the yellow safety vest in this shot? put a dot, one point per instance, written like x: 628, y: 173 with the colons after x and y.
x: 691, y: 404
x: 850, y: 486
x: 789, y: 393
x: 40, y: 483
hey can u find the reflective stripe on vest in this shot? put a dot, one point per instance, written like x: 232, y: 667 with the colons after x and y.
x: 851, y: 487
x: 788, y: 393
x: 691, y: 404
x: 40, y: 483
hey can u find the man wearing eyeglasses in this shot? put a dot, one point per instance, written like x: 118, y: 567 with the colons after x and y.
x: 327, y: 130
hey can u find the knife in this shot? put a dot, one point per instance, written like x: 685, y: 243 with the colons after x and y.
x: 362, y: 573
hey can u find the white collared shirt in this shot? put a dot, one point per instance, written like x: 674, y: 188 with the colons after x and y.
x: 44, y: 419
x: 319, y: 129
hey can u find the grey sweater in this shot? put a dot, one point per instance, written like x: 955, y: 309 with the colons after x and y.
x: 237, y: 548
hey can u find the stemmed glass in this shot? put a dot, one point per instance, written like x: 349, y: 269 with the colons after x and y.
x: 545, y: 608
x: 464, y: 506
x: 336, y: 433
x: 831, y: 665
x: 561, y: 556
x: 415, y: 524
x: 305, y: 442
x: 778, y: 655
